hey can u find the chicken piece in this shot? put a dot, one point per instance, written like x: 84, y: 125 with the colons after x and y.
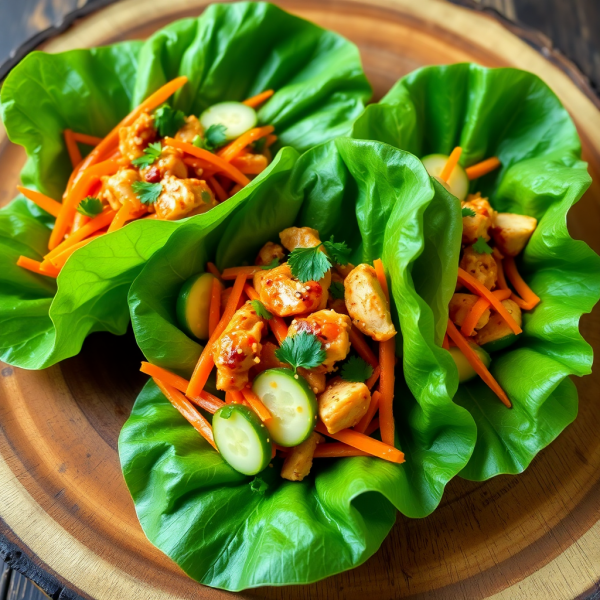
x: 479, y: 225
x: 117, y: 188
x: 496, y: 327
x: 343, y: 270
x: 298, y: 462
x: 367, y: 304
x: 482, y: 266
x: 299, y: 237
x: 133, y: 139
x: 268, y: 253
x: 236, y: 351
x: 512, y: 232
x: 190, y: 130
x: 459, y: 308
x: 170, y: 162
x: 332, y: 330
x: 284, y: 295
x: 315, y: 379
x: 182, y: 198
x: 337, y: 304
x: 343, y: 404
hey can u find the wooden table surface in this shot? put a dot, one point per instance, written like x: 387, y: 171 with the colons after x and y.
x: 571, y: 25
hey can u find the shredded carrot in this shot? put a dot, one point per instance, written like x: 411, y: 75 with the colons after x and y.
x: 373, y: 427
x: 84, y: 138
x: 214, y: 314
x: 217, y: 188
x: 256, y: 404
x: 478, y: 288
x: 233, y: 272
x: 72, y: 148
x: 387, y: 361
x: 229, y: 398
x: 221, y: 165
x: 450, y: 164
x: 277, y: 324
x: 79, y: 221
x: 254, y: 101
x: 36, y: 267
x: 379, y: 270
x: 235, y: 189
x: 270, y: 140
x: 251, y: 164
x: 337, y: 450
x: 232, y: 149
x: 122, y: 216
x: 473, y: 316
x: 183, y: 405
x: 205, y: 362
x: 44, y: 202
x: 476, y: 363
x: 529, y: 299
x: 212, y: 269
x: 359, y: 343
x: 364, y: 443
x: 152, y: 216
x: 445, y: 342
x: 501, y: 282
x: 362, y: 425
x: 374, y: 377
x: 59, y: 260
x: 482, y: 168
x: 236, y: 397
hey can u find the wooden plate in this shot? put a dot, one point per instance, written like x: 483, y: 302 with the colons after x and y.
x: 66, y: 515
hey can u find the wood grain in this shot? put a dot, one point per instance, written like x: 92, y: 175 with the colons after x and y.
x: 62, y: 498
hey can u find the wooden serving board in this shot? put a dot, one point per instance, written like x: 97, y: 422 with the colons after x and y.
x: 66, y: 516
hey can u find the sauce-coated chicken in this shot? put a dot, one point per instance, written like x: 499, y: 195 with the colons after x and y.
x: 478, y: 225
x: 299, y: 237
x: 512, y: 232
x: 461, y: 305
x: 133, y: 139
x: 190, y: 130
x: 170, y: 162
x: 482, y: 266
x: 183, y: 197
x: 117, y: 188
x: 496, y: 328
x: 268, y: 253
x: 343, y: 404
x: 298, y: 462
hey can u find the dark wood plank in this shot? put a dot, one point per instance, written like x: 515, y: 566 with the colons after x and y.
x: 20, y: 588
x: 4, y: 580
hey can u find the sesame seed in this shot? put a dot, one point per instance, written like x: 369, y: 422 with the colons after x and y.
x: 239, y: 351
x: 257, y: 360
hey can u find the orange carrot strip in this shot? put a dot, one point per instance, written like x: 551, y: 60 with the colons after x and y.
x: 214, y: 314
x: 232, y: 149
x: 476, y: 363
x: 450, y: 164
x: 482, y: 168
x: 213, y: 159
x: 374, y: 377
x: 529, y: 298
x: 36, y: 267
x: 205, y: 362
x: 59, y: 260
x: 373, y: 427
x: 478, y: 288
x: 122, y: 216
x: 235, y: 189
x: 270, y: 140
x: 337, y: 450
x: 387, y: 361
x: 256, y: 404
x: 217, y: 188
x: 44, y: 202
x: 277, y: 324
x: 379, y: 270
x: 362, y: 425
x: 152, y: 216
x: 79, y: 221
x: 254, y: 101
x: 502, y: 294
x: 212, y: 269
x: 473, y: 316
x: 251, y: 164
x: 233, y: 272
x: 236, y: 397
x: 364, y: 443
x: 359, y: 343
x: 84, y: 138
x: 72, y: 148
x: 501, y: 282
x: 183, y: 405
x: 445, y: 342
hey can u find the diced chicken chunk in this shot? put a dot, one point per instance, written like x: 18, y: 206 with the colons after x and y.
x: 117, y: 189
x: 268, y: 253
x: 343, y: 404
x: 367, y: 305
x: 459, y: 308
x: 331, y: 329
x: 170, y: 162
x: 315, y: 379
x: 496, y: 327
x: 190, y: 130
x: 479, y: 225
x: 482, y: 266
x: 298, y: 462
x: 299, y: 237
x: 512, y: 232
x: 182, y: 198
x: 134, y: 138
x: 235, y: 351
x: 284, y: 295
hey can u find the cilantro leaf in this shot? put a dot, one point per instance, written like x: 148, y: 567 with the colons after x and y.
x: 468, y: 212
x: 90, y: 206
x: 147, y: 193
x: 151, y: 153
x: 168, y: 121
x: 339, y: 251
x: 481, y: 246
x: 301, y: 350
x: 214, y: 137
x: 355, y: 369
x: 337, y: 291
x: 259, y: 485
x: 272, y: 265
x: 260, y: 310
x: 308, y: 264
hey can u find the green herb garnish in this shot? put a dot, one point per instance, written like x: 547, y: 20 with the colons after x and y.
x: 272, y: 265
x: 355, y: 369
x: 151, y: 154
x: 147, y: 193
x: 301, y: 350
x: 168, y: 121
x: 90, y: 206
x: 309, y: 264
x: 481, y: 246
x: 214, y: 137
x: 468, y: 212
x: 260, y: 310
x: 337, y: 290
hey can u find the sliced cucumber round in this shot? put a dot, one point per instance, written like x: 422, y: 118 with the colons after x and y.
x: 458, y: 182
x: 242, y: 439
x: 237, y: 118
x: 193, y: 305
x: 291, y: 402
x: 500, y: 343
x: 465, y: 370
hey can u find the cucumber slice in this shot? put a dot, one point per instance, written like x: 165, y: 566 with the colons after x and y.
x: 235, y: 116
x: 242, y: 439
x: 193, y: 305
x: 465, y: 370
x: 292, y: 404
x: 500, y: 343
x: 458, y: 182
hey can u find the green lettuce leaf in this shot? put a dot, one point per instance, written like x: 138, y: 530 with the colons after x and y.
x: 191, y: 504
x: 230, y: 52
x: 513, y: 115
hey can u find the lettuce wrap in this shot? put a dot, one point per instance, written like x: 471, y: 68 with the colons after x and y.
x: 231, y: 52
x: 513, y: 115
x: 234, y: 532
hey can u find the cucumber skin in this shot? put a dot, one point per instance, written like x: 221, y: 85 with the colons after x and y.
x: 483, y: 355
x: 180, y: 307
x: 501, y: 343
